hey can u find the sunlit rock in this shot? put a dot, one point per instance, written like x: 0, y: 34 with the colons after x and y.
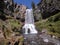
x: 46, y: 40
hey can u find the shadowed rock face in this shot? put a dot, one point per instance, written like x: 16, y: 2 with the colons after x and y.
x: 49, y: 7
x: 2, y: 5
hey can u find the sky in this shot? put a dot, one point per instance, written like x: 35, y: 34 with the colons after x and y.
x: 27, y: 2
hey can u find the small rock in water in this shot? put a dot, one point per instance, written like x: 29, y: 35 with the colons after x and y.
x: 33, y: 42
x: 46, y: 40
x: 24, y: 38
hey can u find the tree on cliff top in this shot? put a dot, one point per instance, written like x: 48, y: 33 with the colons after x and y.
x: 33, y: 5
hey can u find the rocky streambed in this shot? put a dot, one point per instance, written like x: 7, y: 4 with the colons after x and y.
x: 39, y: 39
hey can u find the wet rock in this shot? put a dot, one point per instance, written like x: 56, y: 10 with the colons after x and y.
x: 35, y: 40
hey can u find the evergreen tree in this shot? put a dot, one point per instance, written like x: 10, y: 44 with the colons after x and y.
x: 2, y: 5
x: 33, y: 5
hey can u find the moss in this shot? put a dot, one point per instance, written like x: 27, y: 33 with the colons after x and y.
x: 54, y: 18
x: 14, y: 23
x: 21, y: 39
x: 3, y: 42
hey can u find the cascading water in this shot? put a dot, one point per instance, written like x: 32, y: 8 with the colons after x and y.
x: 30, y: 33
x: 29, y: 26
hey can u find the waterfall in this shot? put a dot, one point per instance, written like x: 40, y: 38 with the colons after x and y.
x: 29, y: 19
x: 29, y: 26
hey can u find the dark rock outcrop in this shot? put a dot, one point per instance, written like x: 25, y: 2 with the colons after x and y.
x: 49, y: 7
x: 1, y: 6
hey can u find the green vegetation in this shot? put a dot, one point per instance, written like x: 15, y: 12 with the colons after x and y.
x: 7, y: 28
x: 3, y: 42
x: 52, y: 24
x: 14, y: 23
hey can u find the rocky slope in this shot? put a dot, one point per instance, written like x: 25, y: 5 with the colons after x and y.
x: 52, y: 24
x: 49, y: 7
x: 11, y: 16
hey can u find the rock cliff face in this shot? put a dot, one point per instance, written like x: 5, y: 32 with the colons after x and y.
x: 1, y: 5
x: 37, y: 14
x: 9, y: 8
x: 9, y: 24
x: 49, y: 7
x: 6, y: 8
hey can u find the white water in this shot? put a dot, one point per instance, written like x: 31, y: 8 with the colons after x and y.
x: 29, y: 22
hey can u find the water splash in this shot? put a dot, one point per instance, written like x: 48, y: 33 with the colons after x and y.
x: 29, y: 26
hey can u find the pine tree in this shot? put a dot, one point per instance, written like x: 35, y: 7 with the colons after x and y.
x: 2, y: 5
x: 33, y: 5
